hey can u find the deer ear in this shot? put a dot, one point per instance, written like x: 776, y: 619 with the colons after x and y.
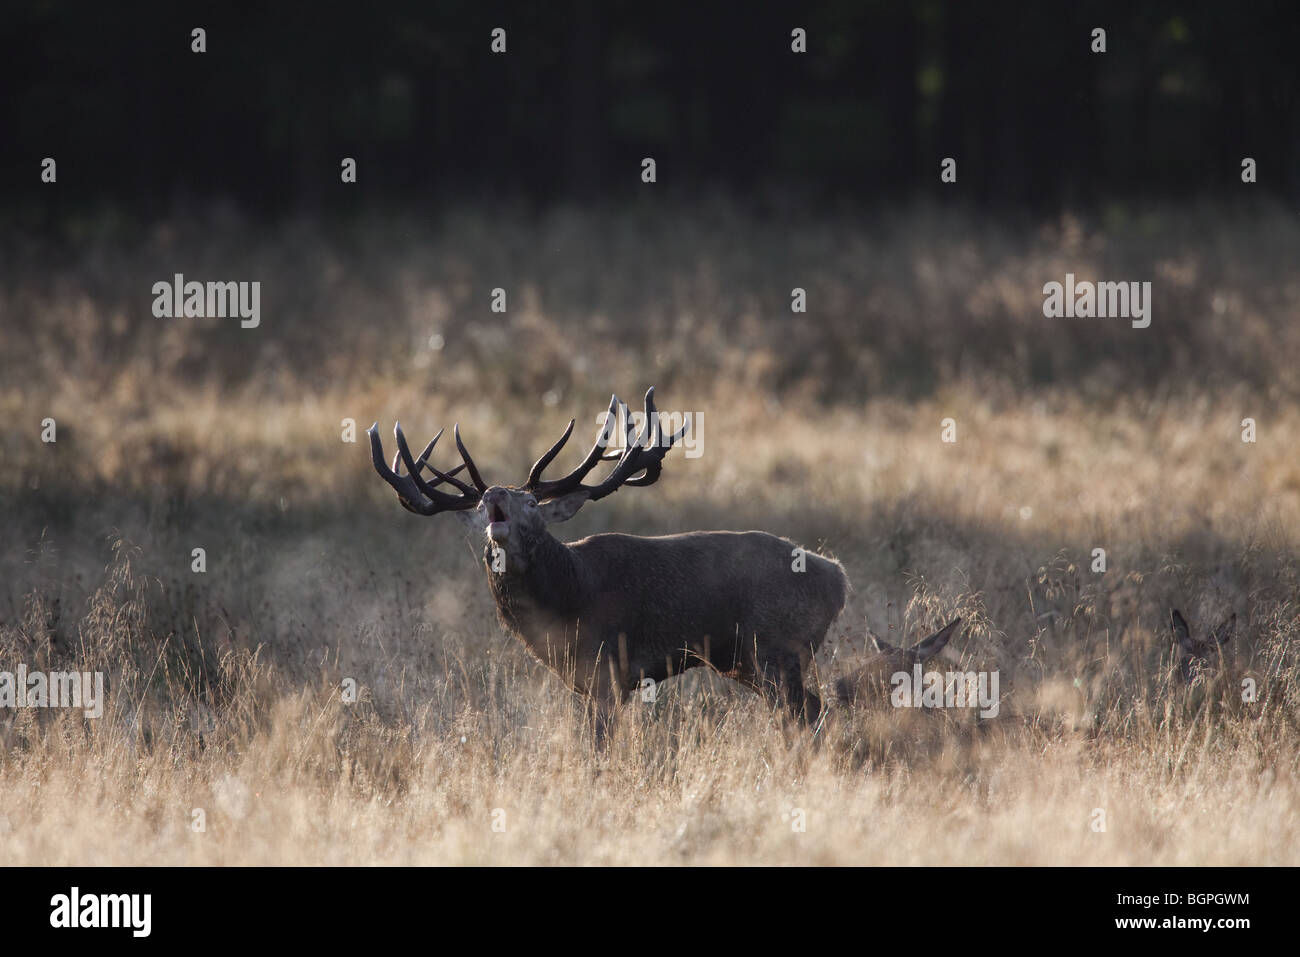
x: 563, y: 508
x: 1181, y: 633
x: 929, y: 647
x: 1224, y: 631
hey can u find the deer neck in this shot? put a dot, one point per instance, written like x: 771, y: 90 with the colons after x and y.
x: 545, y: 593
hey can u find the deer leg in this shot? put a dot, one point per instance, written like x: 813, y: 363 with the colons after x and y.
x: 804, y: 705
x: 812, y: 707
x: 607, y: 697
x: 780, y: 681
x: 812, y: 700
x: 602, y: 722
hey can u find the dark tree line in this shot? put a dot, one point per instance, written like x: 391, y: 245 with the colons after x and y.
x: 587, y: 88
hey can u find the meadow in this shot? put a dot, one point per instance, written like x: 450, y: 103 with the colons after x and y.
x: 225, y: 687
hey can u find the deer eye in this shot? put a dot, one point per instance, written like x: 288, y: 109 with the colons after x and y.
x: 532, y: 503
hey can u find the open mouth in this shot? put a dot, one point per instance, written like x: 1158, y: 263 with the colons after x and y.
x: 498, y: 524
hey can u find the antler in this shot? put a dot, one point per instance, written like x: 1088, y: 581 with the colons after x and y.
x: 417, y: 495
x: 643, y: 453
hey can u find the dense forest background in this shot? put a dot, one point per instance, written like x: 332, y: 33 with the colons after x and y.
x: 712, y: 91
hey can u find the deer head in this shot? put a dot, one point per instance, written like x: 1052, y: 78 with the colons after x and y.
x: 1199, y: 656
x: 874, y: 676
x: 515, y: 518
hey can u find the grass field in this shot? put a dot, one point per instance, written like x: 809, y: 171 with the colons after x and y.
x: 225, y: 686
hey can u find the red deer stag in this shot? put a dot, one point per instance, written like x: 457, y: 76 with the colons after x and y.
x: 611, y: 610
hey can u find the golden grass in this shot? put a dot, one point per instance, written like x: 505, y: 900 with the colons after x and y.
x: 225, y: 686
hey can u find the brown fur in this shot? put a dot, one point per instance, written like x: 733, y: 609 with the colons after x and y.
x: 608, y: 611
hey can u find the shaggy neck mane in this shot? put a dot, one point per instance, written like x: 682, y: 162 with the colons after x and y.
x: 554, y: 582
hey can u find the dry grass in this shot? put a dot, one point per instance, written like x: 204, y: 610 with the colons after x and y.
x: 224, y: 687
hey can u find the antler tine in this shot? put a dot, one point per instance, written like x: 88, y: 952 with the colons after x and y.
x: 573, y: 481
x: 535, y: 473
x: 642, y: 455
x: 401, y: 484
x: 469, y: 462
x: 440, y: 477
x: 646, y: 456
x: 629, y: 462
x: 422, y: 462
x: 414, y: 472
x: 412, y: 490
x: 656, y: 465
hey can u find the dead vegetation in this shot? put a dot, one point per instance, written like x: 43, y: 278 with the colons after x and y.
x: 226, y: 687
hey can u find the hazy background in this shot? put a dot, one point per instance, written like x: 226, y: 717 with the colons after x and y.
x: 522, y: 172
